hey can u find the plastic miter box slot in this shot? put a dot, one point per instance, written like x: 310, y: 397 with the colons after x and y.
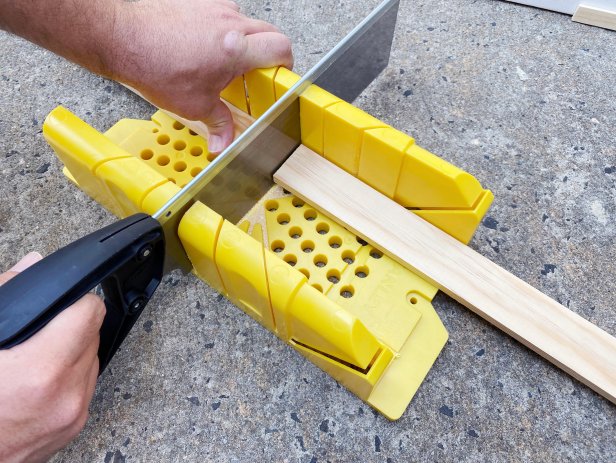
x: 351, y: 310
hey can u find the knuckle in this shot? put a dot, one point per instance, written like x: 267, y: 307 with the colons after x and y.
x: 72, y: 409
x: 197, y: 110
x: 80, y: 422
x: 230, y: 15
x: 233, y: 44
x: 95, y: 305
x: 43, y: 385
x: 285, y: 46
x: 193, y: 113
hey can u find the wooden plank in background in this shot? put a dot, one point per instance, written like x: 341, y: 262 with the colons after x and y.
x: 564, y: 338
x: 600, y: 13
x: 596, y: 16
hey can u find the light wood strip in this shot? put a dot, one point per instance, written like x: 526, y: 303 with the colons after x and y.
x: 595, y: 16
x: 545, y: 326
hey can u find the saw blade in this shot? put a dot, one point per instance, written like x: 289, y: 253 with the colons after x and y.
x: 235, y: 181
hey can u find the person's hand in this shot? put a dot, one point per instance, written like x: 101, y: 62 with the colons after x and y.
x: 178, y: 54
x: 47, y: 382
x: 181, y: 55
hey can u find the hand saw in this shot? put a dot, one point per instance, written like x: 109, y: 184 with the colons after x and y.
x: 128, y: 258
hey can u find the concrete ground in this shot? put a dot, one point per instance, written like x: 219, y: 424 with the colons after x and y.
x: 522, y: 98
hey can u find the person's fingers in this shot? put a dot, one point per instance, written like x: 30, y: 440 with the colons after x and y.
x: 89, y: 356
x: 71, y: 333
x: 92, y: 376
x: 85, y: 391
x: 234, y: 6
x: 254, y: 26
x: 25, y: 262
x: 266, y: 49
x: 220, y: 127
x: 6, y: 276
x: 77, y: 396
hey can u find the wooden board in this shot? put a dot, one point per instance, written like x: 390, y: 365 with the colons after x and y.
x: 600, y: 13
x: 600, y: 17
x: 550, y: 329
x: 562, y: 6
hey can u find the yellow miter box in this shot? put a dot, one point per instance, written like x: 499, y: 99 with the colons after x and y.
x: 351, y: 310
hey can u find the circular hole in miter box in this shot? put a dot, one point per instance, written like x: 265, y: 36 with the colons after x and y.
x: 318, y: 287
x: 310, y: 215
x: 179, y: 145
x: 362, y: 272
x: 192, y: 132
x: 290, y: 259
x: 283, y: 219
x: 295, y: 232
x: 347, y: 291
x: 322, y: 228
x: 376, y: 254
x: 297, y: 202
x: 320, y: 260
x: 335, y: 242
x: 308, y: 246
x: 412, y: 298
x: 195, y: 171
x: 277, y: 246
x: 271, y: 205
x: 147, y: 154
x: 362, y: 242
x: 155, y: 130
x: 210, y: 156
x: 196, y: 151
x: 179, y: 166
x: 163, y: 139
x: 305, y: 272
x: 333, y: 276
x: 348, y: 257
x: 162, y: 160
x: 178, y: 125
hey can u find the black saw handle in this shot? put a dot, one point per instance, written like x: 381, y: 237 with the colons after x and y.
x: 125, y: 258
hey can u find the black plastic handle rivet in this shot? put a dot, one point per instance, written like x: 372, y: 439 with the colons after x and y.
x: 145, y: 251
x: 137, y: 304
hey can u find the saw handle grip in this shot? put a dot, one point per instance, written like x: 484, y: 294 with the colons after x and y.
x: 125, y: 258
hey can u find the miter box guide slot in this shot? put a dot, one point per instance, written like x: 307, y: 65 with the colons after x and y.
x: 349, y: 309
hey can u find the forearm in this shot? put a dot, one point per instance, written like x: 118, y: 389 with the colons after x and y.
x: 87, y: 32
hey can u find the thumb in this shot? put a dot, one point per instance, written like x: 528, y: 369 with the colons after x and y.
x: 220, y: 127
x: 25, y: 262
x: 266, y: 49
